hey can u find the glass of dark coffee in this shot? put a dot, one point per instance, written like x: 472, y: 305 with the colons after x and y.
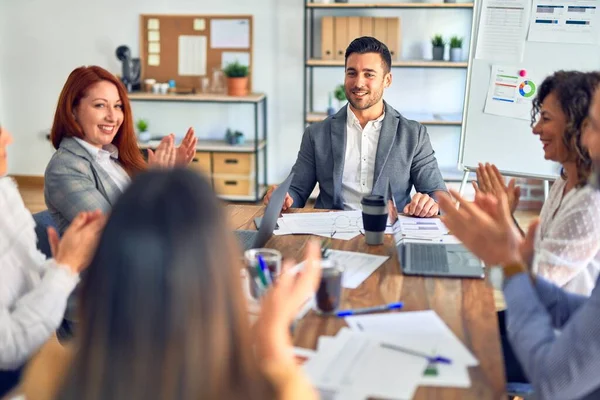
x: 329, y: 294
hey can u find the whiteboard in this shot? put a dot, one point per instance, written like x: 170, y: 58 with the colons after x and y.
x: 509, y: 142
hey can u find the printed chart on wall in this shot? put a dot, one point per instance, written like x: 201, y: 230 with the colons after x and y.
x: 511, y: 91
x: 559, y: 21
x: 502, y: 30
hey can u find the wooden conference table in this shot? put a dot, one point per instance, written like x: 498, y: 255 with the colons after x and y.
x: 466, y: 306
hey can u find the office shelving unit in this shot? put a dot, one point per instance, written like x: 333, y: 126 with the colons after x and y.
x: 311, y: 62
x: 231, y: 168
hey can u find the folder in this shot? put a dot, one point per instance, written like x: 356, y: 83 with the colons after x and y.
x: 341, y: 37
x: 353, y: 28
x: 394, y: 37
x: 380, y: 29
x: 366, y: 26
x: 327, y: 38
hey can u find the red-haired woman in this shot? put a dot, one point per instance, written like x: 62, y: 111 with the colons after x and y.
x: 97, y: 152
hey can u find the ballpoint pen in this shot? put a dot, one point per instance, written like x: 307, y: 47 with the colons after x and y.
x: 384, y: 307
x: 430, y: 359
x: 266, y: 274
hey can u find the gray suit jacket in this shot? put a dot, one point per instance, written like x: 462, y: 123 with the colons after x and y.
x: 404, y: 156
x: 75, y: 182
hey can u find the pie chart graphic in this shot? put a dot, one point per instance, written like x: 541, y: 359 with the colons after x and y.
x: 527, y: 89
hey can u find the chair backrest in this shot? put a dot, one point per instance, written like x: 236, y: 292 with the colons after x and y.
x: 43, y: 220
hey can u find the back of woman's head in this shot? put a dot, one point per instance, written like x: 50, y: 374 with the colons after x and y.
x: 78, y: 83
x: 574, y: 91
x: 162, y: 308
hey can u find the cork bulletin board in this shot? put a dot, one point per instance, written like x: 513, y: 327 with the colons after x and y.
x: 188, y: 48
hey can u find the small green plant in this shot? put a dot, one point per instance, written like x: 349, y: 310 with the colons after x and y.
x: 235, y: 70
x: 456, y: 42
x: 340, y: 93
x: 438, y: 41
x: 234, y: 137
x: 142, y: 125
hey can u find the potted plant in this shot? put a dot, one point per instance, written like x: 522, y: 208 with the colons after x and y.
x: 142, y: 127
x: 237, y: 79
x: 340, y: 94
x: 456, y: 48
x: 234, y: 137
x: 438, y: 47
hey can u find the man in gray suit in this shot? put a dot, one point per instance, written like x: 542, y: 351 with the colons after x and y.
x: 366, y: 144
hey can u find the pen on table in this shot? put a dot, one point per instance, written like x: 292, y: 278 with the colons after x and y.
x: 325, y: 248
x: 384, y: 307
x: 262, y: 265
x: 430, y: 359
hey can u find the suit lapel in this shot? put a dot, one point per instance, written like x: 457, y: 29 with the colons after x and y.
x: 387, y: 136
x: 338, y: 148
x: 105, y: 184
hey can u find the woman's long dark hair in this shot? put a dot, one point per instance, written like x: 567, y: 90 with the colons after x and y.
x: 163, y: 314
x: 574, y: 91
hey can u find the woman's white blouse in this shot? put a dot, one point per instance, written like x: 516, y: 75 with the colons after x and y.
x: 33, y: 290
x: 567, y: 245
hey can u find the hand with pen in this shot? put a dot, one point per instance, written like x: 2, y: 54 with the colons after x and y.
x: 280, y: 305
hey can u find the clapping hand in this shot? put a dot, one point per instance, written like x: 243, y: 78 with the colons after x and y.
x: 490, y: 180
x: 78, y: 244
x: 165, y: 154
x: 485, y: 227
x: 281, y: 304
x: 187, y: 149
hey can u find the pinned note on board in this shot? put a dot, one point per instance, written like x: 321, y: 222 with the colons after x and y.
x: 154, y: 60
x: 153, y: 36
x: 199, y: 24
x: 153, y: 23
x: 154, y: 47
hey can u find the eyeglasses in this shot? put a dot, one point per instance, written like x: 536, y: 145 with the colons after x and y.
x: 343, y: 223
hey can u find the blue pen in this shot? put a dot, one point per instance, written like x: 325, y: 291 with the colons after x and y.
x: 265, y: 270
x: 430, y: 359
x: 384, y: 307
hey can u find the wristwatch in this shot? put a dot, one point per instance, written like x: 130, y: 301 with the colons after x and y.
x: 498, y: 274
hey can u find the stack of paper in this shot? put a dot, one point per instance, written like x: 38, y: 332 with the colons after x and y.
x: 344, y: 225
x: 412, y: 229
x: 357, y: 363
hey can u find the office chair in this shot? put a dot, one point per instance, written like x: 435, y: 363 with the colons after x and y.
x: 43, y: 220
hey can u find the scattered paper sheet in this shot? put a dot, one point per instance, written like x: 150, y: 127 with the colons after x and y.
x: 357, y: 266
x: 229, y: 33
x: 356, y: 366
x: 229, y: 57
x: 153, y: 23
x: 560, y: 21
x: 192, y: 55
x: 502, y: 30
x: 154, y: 60
x: 509, y: 94
x: 420, y: 330
x: 344, y: 225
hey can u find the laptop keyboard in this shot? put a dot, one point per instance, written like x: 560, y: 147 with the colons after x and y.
x: 429, y: 258
x: 246, y: 238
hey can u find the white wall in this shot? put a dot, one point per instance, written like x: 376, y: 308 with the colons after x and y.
x: 42, y: 41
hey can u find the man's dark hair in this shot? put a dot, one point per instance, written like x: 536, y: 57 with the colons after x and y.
x: 368, y: 44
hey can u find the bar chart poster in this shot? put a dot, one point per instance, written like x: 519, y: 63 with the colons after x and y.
x: 564, y: 22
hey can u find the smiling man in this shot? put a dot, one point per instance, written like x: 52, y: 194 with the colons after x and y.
x: 366, y: 144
